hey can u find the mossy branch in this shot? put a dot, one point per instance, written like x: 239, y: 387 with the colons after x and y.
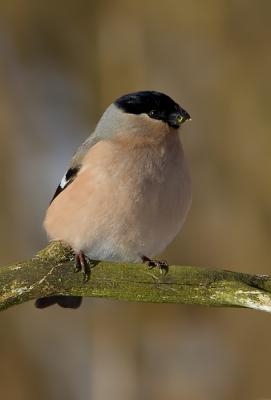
x: 50, y: 272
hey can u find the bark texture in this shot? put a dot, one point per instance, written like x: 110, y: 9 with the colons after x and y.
x: 51, y: 272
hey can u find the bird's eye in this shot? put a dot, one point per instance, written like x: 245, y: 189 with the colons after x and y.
x: 152, y: 113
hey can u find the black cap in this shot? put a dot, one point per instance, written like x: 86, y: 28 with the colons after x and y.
x: 155, y: 104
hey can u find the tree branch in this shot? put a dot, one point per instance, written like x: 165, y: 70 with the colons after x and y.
x: 50, y: 272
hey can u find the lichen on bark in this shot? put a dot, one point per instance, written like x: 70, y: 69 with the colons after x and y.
x: 51, y: 272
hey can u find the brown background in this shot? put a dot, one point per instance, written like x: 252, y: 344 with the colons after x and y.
x: 61, y: 64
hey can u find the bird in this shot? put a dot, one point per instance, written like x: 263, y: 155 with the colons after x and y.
x: 127, y: 191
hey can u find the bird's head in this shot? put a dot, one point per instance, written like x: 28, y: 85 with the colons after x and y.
x: 146, y: 113
x: 155, y: 105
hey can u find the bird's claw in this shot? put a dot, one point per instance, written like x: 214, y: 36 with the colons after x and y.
x: 162, y: 265
x: 82, y: 264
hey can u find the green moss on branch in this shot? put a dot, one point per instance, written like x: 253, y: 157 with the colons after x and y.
x: 50, y: 272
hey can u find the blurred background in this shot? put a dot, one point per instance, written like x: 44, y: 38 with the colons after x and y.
x: 61, y: 64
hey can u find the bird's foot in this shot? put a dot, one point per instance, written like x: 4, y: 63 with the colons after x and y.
x: 162, y: 265
x: 82, y: 264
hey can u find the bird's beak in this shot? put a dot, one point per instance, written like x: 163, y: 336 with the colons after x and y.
x: 182, y: 117
x: 176, y: 119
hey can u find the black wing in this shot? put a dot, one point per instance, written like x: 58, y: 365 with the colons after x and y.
x: 67, y: 179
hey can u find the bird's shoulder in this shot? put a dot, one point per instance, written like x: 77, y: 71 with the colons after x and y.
x: 75, y: 164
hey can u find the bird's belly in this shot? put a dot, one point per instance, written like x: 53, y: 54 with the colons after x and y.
x: 123, y: 214
x: 142, y: 220
x: 156, y: 221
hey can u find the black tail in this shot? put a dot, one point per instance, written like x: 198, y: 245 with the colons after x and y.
x: 62, y: 301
